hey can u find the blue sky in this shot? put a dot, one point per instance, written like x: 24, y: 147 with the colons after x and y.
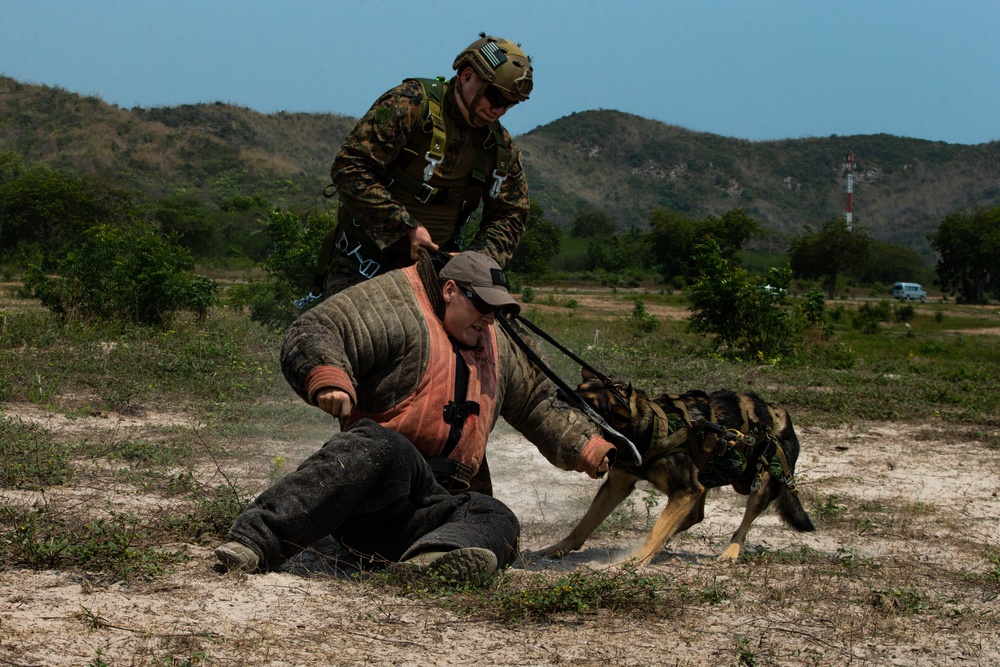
x: 767, y: 69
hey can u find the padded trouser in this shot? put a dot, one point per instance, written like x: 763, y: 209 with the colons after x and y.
x: 371, y: 489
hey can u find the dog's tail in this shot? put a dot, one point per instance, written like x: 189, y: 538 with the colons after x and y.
x: 792, y: 512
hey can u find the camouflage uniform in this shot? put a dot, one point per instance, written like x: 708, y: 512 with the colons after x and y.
x: 383, y: 215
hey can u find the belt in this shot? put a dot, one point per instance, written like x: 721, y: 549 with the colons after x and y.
x: 451, y: 474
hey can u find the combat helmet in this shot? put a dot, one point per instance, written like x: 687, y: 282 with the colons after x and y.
x: 500, y: 63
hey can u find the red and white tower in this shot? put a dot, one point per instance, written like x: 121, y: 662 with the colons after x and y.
x: 849, y: 166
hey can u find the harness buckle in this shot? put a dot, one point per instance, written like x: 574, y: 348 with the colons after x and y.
x: 431, y: 164
x: 366, y: 267
x: 497, y: 182
x: 425, y: 194
x: 456, y: 413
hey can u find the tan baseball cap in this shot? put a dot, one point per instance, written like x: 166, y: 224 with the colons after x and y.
x: 483, y: 276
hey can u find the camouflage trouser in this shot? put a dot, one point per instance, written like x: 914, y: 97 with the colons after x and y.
x: 371, y: 489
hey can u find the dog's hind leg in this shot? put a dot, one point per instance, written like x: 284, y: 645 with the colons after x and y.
x: 681, y: 508
x: 615, y: 489
x: 757, y: 502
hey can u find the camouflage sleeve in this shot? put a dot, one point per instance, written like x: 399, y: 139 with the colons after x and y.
x: 359, y: 170
x: 505, y: 216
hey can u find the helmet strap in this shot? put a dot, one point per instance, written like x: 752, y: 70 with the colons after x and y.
x: 469, y: 106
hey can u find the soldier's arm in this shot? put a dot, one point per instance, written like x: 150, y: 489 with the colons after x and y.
x: 505, y: 216
x: 359, y: 170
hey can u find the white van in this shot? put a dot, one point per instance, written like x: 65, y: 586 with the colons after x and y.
x: 909, y: 291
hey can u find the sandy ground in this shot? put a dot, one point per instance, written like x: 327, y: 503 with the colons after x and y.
x: 903, y: 570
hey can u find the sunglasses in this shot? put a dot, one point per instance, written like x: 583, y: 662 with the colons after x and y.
x: 481, y: 306
x: 497, y: 99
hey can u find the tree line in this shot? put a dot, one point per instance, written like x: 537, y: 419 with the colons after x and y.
x: 56, y: 227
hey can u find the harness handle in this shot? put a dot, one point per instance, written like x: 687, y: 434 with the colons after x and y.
x: 583, y: 364
x: 571, y: 396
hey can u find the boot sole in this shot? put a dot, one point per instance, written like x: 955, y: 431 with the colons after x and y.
x: 474, y: 565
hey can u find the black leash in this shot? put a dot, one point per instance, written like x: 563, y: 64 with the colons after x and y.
x: 536, y: 329
x: 572, y: 397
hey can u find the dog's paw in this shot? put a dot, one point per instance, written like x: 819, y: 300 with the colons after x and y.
x: 555, y: 551
x: 732, y: 553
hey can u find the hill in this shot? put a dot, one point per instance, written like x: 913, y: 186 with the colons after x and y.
x: 626, y: 166
x: 218, y: 149
x: 612, y: 161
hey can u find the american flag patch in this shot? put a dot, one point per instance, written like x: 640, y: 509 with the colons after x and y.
x: 494, y: 56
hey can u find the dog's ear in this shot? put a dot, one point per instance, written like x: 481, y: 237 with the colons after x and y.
x: 628, y: 390
x: 587, y: 375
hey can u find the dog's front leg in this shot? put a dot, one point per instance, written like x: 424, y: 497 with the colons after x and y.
x: 615, y: 489
x: 674, y: 516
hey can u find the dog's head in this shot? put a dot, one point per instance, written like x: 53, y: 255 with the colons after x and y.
x: 615, y: 401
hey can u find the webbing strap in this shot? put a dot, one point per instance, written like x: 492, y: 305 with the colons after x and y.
x: 436, y: 118
x: 571, y: 396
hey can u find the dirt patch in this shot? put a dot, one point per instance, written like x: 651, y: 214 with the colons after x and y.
x: 904, y: 569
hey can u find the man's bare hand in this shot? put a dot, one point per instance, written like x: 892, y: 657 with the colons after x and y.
x: 420, y: 238
x: 334, y: 401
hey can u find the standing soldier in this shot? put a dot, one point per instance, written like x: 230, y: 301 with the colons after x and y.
x: 418, y: 164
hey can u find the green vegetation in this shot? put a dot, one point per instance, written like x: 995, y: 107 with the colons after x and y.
x: 124, y: 275
x: 536, y: 597
x: 295, y: 243
x: 749, y: 320
x: 968, y: 247
x: 223, y: 371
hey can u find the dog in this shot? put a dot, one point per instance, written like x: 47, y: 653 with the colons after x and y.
x: 685, y: 452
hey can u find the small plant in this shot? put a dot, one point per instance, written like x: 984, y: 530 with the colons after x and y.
x: 98, y: 660
x: 902, y: 601
x: 32, y: 459
x: 624, y: 591
x: 746, y: 655
x: 642, y: 320
x: 814, y: 307
x: 713, y: 595
x: 213, y: 514
x: 829, y: 509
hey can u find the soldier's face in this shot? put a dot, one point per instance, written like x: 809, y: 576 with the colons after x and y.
x: 462, y: 320
x: 483, y: 112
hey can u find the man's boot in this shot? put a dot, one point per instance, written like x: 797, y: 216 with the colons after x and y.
x: 237, y: 557
x: 471, y: 564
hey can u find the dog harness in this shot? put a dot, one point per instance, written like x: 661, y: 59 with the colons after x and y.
x: 732, y: 454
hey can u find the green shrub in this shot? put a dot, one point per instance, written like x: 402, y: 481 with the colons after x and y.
x: 750, y: 321
x: 904, y: 313
x: 869, y: 316
x: 295, y: 243
x: 642, y: 320
x: 132, y: 275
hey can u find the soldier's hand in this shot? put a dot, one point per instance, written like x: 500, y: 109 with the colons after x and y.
x: 420, y: 237
x: 334, y: 401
